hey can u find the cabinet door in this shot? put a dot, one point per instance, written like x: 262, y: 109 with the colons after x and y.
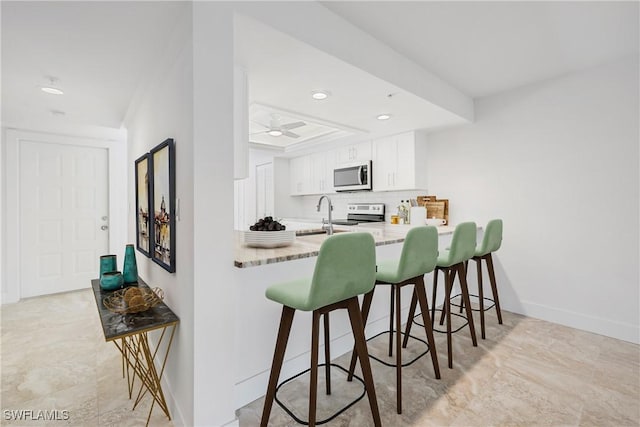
x: 354, y: 153
x: 299, y: 175
x: 362, y: 152
x: 329, y: 166
x: 404, y: 178
x: 384, y: 163
x: 318, y: 173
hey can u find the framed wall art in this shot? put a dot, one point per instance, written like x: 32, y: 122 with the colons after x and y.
x: 162, y: 196
x: 143, y: 205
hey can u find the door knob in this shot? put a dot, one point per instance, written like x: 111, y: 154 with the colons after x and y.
x: 104, y: 227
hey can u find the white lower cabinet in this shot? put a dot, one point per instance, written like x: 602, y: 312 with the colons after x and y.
x: 399, y: 162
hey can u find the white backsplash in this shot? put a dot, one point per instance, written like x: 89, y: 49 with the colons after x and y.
x: 391, y: 199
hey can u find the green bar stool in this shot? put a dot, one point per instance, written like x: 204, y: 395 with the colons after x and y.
x: 491, y: 242
x: 346, y: 268
x: 451, y: 262
x: 418, y: 257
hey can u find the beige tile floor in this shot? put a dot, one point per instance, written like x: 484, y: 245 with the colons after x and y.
x: 527, y: 372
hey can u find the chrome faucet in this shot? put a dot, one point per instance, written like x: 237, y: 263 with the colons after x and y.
x: 330, y: 225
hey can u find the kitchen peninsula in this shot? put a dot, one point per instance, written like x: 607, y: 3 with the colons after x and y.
x: 257, y: 318
x: 308, y: 246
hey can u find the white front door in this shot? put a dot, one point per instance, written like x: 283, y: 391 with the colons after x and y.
x: 63, y: 212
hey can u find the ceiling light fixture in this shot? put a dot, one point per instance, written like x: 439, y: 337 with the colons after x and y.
x: 320, y: 95
x: 51, y: 87
x: 275, y: 132
x: 385, y: 116
x: 52, y: 90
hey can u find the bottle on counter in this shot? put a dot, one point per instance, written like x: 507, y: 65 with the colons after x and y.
x: 402, y: 212
x: 407, y: 205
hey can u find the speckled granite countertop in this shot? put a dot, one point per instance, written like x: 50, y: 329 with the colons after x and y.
x: 308, y: 246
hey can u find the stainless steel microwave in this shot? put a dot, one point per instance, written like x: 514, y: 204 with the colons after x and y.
x: 352, y: 177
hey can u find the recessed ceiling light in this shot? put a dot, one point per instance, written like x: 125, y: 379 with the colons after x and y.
x: 275, y: 132
x: 319, y: 95
x: 384, y: 116
x: 52, y: 90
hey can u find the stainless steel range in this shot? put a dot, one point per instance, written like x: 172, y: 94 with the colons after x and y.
x: 362, y: 212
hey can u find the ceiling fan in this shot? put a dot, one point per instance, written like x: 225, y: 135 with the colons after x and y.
x: 276, y: 128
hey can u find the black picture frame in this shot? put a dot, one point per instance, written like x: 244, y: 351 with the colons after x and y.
x: 143, y: 204
x: 162, y: 195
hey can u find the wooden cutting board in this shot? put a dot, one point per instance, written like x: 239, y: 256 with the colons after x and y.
x: 435, y: 209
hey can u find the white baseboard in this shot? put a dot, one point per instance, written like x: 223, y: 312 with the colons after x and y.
x: 176, y: 414
x: 610, y: 328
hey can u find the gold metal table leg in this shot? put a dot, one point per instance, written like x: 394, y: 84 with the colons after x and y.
x: 140, y: 359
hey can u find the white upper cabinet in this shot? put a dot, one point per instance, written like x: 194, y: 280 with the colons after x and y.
x: 312, y: 174
x: 300, y: 175
x: 360, y: 152
x: 399, y: 162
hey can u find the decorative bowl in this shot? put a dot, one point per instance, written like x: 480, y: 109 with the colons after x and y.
x: 133, y: 299
x: 269, y: 239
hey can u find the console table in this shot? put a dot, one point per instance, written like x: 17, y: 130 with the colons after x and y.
x: 129, y: 332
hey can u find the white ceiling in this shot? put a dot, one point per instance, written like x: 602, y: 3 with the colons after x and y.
x: 483, y: 48
x: 283, y: 72
x: 103, y: 51
x: 100, y: 51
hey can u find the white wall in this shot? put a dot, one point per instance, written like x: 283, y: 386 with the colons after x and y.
x: 165, y: 110
x: 558, y: 161
x: 214, y: 274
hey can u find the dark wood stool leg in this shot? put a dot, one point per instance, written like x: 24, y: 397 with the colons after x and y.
x: 391, y: 323
x: 278, y: 357
x: 494, y: 288
x: 467, y: 302
x: 398, y: 288
x: 466, y: 263
x: 327, y: 354
x: 357, y: 326
x: 313, y: 380
x: 412, y: 313
x: 480, y: 296
x: 421, y: 294
x: 366, y: 305
x: 434, y: 294
x: 447, y: 307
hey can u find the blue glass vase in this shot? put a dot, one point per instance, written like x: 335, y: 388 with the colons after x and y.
x: 108, y: 264
x: 130, y: 269
x: 111, y: 280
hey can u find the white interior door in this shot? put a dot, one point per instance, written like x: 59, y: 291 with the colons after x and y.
x: 63, y: 216
x: 264, y: 190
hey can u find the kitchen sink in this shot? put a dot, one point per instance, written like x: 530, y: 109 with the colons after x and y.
x: 315, y: 231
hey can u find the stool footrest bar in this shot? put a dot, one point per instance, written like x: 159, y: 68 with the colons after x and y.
x: 306, y: 422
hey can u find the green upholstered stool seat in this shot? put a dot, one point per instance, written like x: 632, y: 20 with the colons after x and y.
x: 418, y: 257
x: 345, y: 268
